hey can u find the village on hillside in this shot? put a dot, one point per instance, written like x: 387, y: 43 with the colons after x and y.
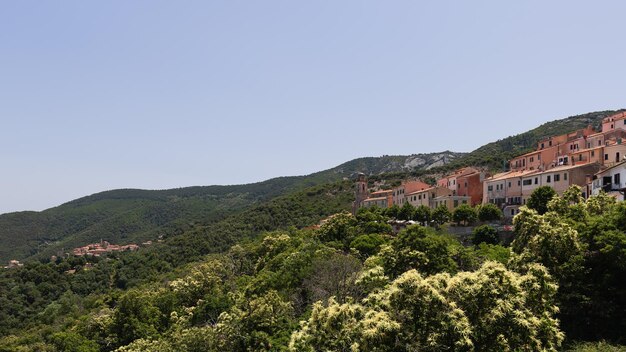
x: 595, y: 161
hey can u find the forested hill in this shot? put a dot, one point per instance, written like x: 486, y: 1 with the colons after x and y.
x: 132, y: 215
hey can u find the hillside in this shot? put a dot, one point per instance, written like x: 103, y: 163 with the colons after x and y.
x: 132, y: 215
x: 261, y: 280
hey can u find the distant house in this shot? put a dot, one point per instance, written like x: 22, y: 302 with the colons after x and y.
x: 13, y: 264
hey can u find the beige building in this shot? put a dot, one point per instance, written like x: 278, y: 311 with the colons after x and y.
x: 451, y: 202
x: 427, y: 196
x: 381, y: 199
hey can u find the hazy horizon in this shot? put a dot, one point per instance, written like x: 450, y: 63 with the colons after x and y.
x: 157, y: 95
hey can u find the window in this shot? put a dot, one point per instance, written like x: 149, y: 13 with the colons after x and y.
x: 616, y: 179
x: 464, y: 201
x: 606, y: 156
x: 593, y: 153
x: 580, y: 157
x: 617, y: 157
x: 528, y: 182
x: 557, y: 177
x: 490, y: 188
x: 565, y: 176
x: 542, y: 143
x: 548, y: 179
x: 600, y: 142
x: 512, y: 212
x: 532, y: 159
x: 509, y: 184
x: 539, y: 157
x: 519, y: 182
x: 536, y: 180
x: 550, y: 143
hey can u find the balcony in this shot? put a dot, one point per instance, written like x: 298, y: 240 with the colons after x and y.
x: 612, y: 187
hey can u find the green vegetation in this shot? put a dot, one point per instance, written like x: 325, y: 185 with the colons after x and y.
x: 540, y: 198
x: 485, y: 234
x: 489, y: 212
x: 348, y: 284
x: 464, y: 214
x: 246, y: 268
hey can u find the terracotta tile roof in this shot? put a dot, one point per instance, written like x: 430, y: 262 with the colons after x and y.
x: 565, y: 167
x: 374, y: 199
x: 421, y: 191
x: 511, y: 174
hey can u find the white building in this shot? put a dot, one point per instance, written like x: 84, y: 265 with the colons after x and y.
x: 611, y: 181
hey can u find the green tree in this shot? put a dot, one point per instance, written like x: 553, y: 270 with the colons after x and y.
x: 489, y: 212
x: 392, y: 212
x: 367, y: 244
x: 465, y: 214
x: 136, y: 317
x: 422, y: 214
x: 254, y: 324
x: 73, y: 342
x: 485, y: 234
x: 539, y: 199
x: 441, y: 215
x: 406, y: 212
x: 491, y: 309
x: 421, y: 248
x: 337, y: 227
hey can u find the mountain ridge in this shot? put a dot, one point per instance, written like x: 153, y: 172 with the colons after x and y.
x: 135, y: 215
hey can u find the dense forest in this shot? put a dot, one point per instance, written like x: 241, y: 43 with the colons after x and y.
x: 266, y: 280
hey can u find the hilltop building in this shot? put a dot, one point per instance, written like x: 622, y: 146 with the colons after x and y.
x: 560, y: 162
x: 595, y: 161
x: 464, y: 186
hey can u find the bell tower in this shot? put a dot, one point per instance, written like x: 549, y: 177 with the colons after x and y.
x: 361, y: 193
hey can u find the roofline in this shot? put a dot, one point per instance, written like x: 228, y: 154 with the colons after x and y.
x: 611, y: 167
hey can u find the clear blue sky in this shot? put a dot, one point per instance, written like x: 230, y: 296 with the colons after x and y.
x: 98, y: 95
